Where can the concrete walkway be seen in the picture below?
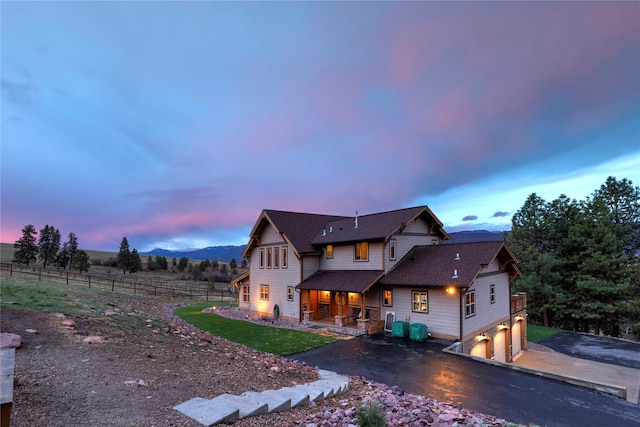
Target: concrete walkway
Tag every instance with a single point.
(618, 380)
(227, 408)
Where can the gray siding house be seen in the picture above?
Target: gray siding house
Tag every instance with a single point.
(367, 272)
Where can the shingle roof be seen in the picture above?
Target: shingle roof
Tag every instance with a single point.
(341, 280)
(299, 228)
(371, 227)
(436, 265)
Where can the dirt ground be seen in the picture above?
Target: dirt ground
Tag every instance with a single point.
(149, 362)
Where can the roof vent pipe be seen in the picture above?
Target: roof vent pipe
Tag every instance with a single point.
(355, 223)
(324, 231)
(455, 274)
(457, 258)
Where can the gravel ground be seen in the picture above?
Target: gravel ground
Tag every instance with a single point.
(150, 361)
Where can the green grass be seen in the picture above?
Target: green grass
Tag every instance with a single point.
(537, 333)
(30, 294)
(278, 341)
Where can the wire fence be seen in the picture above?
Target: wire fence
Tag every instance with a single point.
(170, 289)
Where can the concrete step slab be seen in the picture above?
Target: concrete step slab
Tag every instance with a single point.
(276, 402)
(207, 412)
(297, 397)
(316, 394)
(247, 406)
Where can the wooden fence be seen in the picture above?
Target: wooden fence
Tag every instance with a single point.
(129, 283)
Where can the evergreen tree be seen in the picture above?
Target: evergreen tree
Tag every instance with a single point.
(26, 249)
(233, 264)
(135, 263)
(48, 244)
(63, 259)
(161, 263)
(244, 263)
(215, 265)
(183, 263)
(124, 256)
(80, 261)
(72, 245)
(151, 264)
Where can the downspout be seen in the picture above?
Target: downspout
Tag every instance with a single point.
(461, 328)
(510, 334)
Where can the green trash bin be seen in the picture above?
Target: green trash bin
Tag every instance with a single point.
(400, 329)
(418, 332)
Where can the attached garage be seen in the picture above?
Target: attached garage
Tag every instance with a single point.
(516, 338)
(480, 349)
(499, 346)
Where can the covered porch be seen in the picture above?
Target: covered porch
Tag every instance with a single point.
(340, 298)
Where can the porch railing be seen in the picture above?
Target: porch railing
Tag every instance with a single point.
(518, 302)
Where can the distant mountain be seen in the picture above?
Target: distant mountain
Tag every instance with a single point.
(475, 236)
(227, 253)
(219, 253)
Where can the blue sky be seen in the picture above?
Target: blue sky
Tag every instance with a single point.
(176, 123)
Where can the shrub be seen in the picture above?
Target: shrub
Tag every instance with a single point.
(370, 415)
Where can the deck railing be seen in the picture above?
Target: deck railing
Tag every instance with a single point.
(518, 302)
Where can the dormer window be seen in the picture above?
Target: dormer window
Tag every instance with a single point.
(361, 251)
(392, 250)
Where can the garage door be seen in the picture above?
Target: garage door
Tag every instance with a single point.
(499, 346)
(480, 349)
(516, 332)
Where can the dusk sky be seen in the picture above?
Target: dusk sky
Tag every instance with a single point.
(175, 123)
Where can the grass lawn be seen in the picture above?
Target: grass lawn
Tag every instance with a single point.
(278, 341)
(536, 333)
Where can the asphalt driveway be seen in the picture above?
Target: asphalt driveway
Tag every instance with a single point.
(422, 368)
(599, 349)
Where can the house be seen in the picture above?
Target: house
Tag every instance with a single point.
(371, 271)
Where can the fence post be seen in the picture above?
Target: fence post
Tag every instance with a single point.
(39, 274)
(10, 270)
(67, 277)
(134, 287)
(113, 284)
(207, 295)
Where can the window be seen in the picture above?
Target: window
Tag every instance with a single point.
(269, 256)
(276, 257)
(264, 292)
(284, 257)
(289, 293)
(470, 304)
(392, 250)
(492, 294)
(362, 251)
(387, 297)
(329, 251)
(420, 301)
(245, 293)
(261, 258)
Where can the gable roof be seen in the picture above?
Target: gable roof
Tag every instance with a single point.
(297, 229)
(342, 280)
(436, 265)
(377, 226)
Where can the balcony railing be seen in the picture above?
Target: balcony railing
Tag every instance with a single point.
(518, 302)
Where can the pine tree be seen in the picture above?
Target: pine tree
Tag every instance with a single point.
(72, 245)
(48, 244)
(63, 259)
(124, 256)
(80, 261)
(135, 262)
(26, 249)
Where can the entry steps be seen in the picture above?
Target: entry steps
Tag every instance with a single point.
(227, 408)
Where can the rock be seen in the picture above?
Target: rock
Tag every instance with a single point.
(109, 313)
(8, 340)
(31, 331)
(143, 383)
(93, 339)
(69, 324)
(81, 332)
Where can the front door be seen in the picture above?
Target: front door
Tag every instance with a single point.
(313, 303)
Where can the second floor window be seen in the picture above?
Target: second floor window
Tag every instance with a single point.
(362, 251)
(261, 258)
(276, 257)
(492, 294)
(329, 251)
(392, 250)
(470, 304)
(269, 255)
(289, 293)
(285, 258)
